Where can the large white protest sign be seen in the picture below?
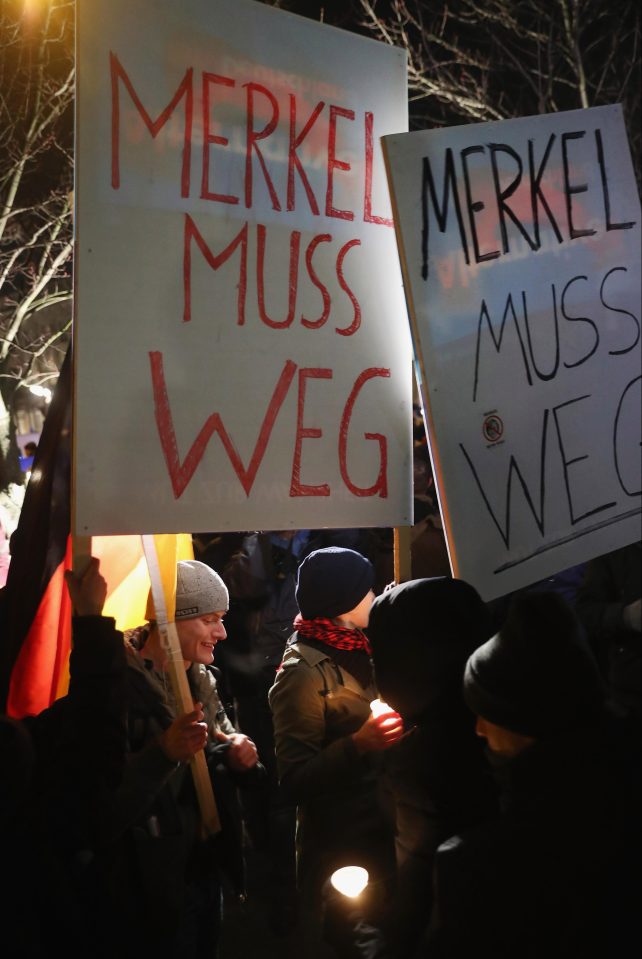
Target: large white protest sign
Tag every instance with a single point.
(243, 359)
(520, 243)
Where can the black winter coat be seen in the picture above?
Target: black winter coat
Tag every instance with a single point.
(441, 785)
(610, 583)
(61, 771)
(557, 876)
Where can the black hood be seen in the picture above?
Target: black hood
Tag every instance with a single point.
(422, 632)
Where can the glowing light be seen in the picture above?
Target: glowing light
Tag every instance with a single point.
(378, 707)
(41, 391)
(350, 880)
(32, 11)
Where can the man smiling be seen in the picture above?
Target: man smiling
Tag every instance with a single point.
(174, 905)
(202, 601)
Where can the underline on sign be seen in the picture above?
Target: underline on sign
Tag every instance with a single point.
(568, 539)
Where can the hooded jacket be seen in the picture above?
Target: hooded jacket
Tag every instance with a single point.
(422, 633)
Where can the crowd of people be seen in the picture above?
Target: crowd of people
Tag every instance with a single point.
(480, 761)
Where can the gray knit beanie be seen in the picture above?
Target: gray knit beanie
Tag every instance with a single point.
(199, 590)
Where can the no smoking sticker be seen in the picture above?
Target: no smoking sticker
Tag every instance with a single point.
(493, 428)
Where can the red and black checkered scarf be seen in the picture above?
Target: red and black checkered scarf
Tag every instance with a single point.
(325, 631)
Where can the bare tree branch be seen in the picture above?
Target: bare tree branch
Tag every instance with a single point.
(478, 60)
(36, 169)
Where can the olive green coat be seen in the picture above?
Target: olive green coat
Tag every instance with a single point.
(342, 814)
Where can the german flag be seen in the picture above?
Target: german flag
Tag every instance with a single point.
(36, 611)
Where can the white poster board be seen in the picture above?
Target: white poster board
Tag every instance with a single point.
(520, 244)
(243, 359)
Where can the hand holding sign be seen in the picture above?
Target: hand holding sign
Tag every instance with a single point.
(186, 736)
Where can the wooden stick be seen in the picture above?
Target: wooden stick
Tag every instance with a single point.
(402, 555)
(80, 553)
(184, 699)
(180, 686)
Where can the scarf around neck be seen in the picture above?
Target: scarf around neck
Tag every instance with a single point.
(327, 632)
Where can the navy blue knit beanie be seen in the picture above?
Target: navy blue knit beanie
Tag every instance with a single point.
(537, 676)
(332, 581)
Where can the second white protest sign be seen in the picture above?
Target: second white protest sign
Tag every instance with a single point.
(520, 244)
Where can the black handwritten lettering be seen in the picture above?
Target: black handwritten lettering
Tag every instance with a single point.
(484, 178)
(614, 309)
(474, 206)
(537, 195)
(569, 188)
(559, 306)
(497, 340)
(514, 470)
(450, 186)
(556, 362)
(634, 399)
(578, 319)
(628, 224)
(502, 196)
(577, 459)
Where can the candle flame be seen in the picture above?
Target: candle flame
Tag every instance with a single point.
(350, 880)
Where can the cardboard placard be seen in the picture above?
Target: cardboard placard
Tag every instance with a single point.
(243, 357)
(520, 246)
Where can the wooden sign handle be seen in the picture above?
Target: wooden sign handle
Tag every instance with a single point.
(182, 694)
(402, 554)
(80, 553)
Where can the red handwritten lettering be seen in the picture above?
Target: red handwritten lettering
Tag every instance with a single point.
(296, 487)
(181, 473)
(154, 126)
(367, 196)
(252, 136)
(191, 232)
(312, 245)
(356, 323)
(380, 485)
(206, 194)
(334, 164)
(293, 160)
(295, 244)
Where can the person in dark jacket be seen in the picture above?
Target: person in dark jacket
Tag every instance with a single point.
(61, 772)
(328, 742)
(557, 875)
(165, 875)
(422, 633)
(610, 609)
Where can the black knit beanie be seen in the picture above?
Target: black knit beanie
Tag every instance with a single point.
(537, 676)
(332, 581)
(421, 633)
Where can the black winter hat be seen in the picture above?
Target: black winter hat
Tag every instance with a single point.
(332, 581)
(537, 676)
(421, 633)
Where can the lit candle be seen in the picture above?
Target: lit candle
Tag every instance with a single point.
(378, 707)
(350, 880)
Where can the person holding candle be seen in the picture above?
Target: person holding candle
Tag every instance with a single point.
(422, 633)
(329, 743)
